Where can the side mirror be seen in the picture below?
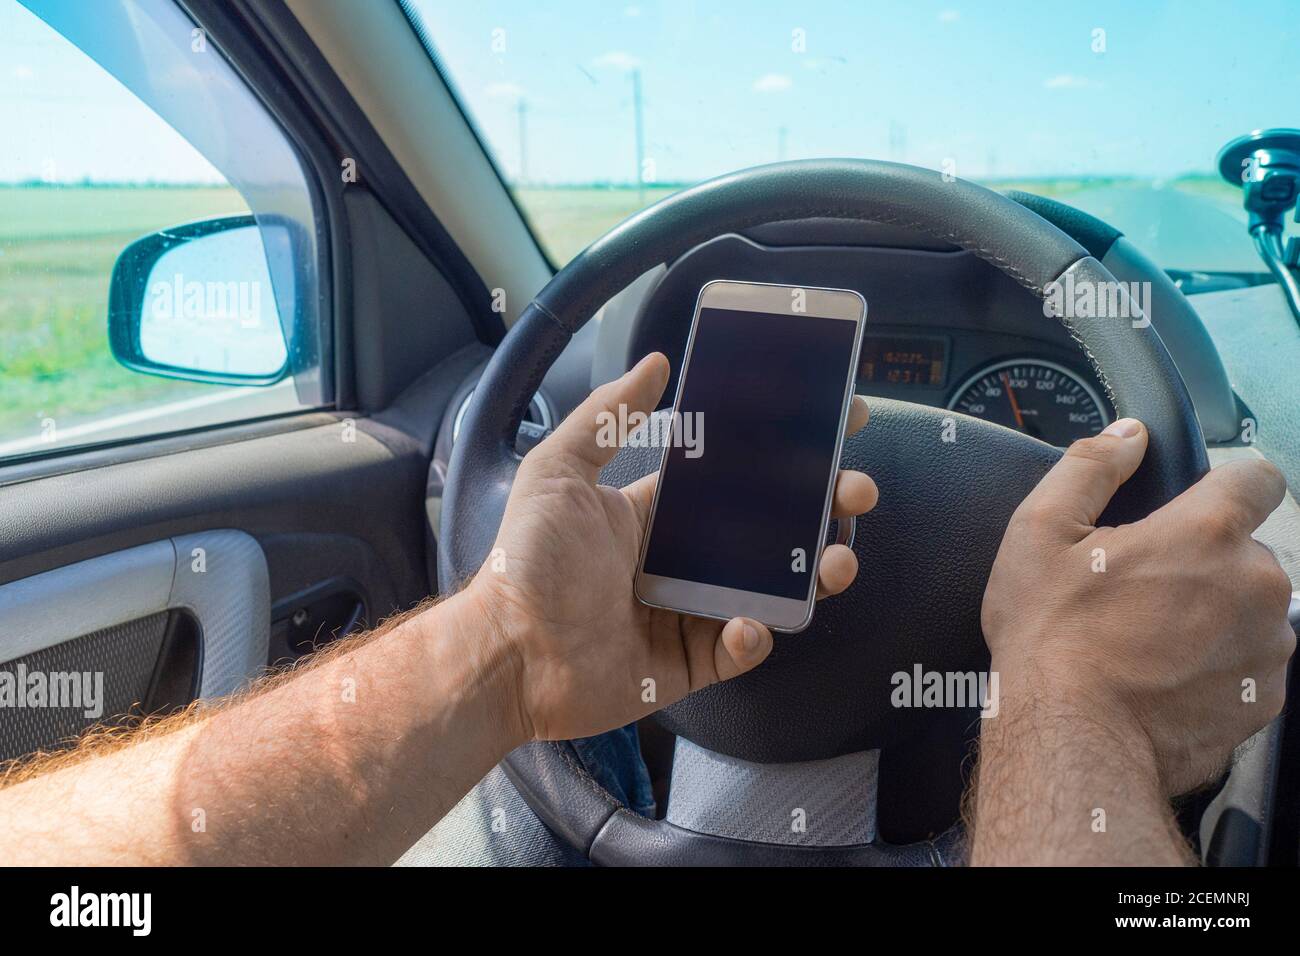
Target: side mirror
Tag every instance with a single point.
(196, 302)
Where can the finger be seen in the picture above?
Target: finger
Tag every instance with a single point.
(716, 652)
(838, 568)
(642, 495)
(590, 435)
(1075, 492)
(1240, 494)
(855, 494)
(741, 646)
(859, 415)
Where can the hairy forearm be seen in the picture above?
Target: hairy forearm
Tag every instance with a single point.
(348, 761)
(1064, 779)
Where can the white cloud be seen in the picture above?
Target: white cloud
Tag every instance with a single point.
(632, 12)
(618, 59)
(772, 83)
(23, 72)
(1069, 81)
(505, 91)
(950, 16)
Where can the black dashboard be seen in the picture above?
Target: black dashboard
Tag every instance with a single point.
(943, 327)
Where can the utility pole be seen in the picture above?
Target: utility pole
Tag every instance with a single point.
(897, 141)
(640, 137)
(523, 141)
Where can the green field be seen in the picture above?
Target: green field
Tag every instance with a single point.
(567, 218)
(57, 249)
(58, 245)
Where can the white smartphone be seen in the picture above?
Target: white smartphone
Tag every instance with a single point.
(741, 509)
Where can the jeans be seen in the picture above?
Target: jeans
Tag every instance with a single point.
(614, 759)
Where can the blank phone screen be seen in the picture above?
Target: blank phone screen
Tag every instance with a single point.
(740, 508)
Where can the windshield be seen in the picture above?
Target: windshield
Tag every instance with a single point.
(1115, 107)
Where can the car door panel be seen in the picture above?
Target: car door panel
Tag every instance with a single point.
(222, 533)
(96, 677)
(118, 642)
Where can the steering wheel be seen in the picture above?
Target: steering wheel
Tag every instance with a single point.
(926, 549)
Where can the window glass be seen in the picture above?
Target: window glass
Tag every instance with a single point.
(1118, 108)
(88, 169)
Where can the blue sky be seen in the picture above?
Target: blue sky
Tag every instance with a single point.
(1001, 88)
(66, 119)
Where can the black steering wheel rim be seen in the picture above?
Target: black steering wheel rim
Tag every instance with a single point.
(1135, 370)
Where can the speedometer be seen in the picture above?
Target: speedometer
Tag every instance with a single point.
(1034, 396)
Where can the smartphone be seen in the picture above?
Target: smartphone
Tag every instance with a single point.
(741, 509)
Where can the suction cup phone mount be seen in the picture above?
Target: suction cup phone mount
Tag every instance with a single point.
(1266, 165)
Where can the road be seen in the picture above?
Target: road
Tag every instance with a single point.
(1177, 228)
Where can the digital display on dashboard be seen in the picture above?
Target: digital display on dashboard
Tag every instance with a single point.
(903, 360)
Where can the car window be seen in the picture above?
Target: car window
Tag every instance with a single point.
(92, 180)
(1130, 102)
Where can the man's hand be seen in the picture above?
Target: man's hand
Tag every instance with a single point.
(563, 600)
(1160, 623)
(353, 757)
(1127, 657)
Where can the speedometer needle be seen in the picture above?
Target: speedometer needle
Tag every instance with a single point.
(1015, 405)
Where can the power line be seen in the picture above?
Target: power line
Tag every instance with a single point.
(523, 140)
(640, 136)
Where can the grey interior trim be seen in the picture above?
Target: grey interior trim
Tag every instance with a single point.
(338, 479)
(118, 453)
(57, 606)
(380, 60)
(220, 576)
(491, 826)
(231, 598)
(408, 315)
(1248, 793)
(812, 803)
(1252, 783)
(1186, 338)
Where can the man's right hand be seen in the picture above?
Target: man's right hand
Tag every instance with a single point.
(1156, 628)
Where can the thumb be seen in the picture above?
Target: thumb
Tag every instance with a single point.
(741, 646)
(590, 436)
(1072, 496)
